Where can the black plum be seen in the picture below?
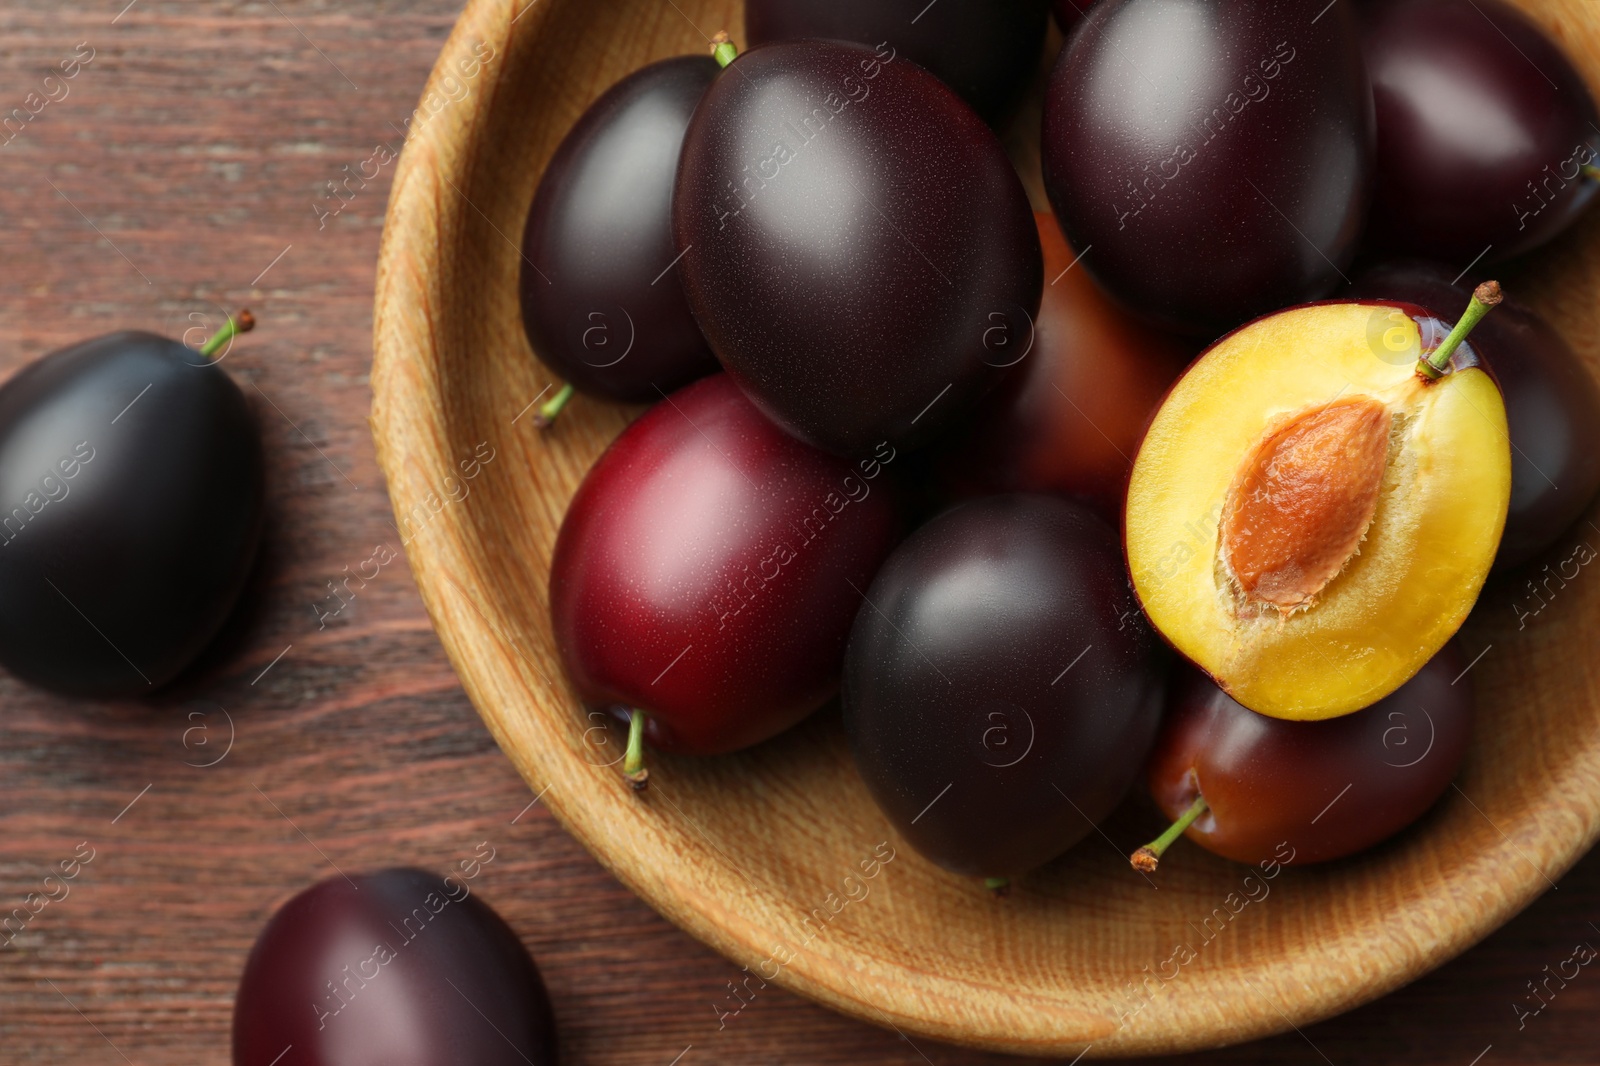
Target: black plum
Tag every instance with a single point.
(396, 968)
(857, 247)
(1484, 129)
(985, 50)
(1210, 158)
(1001, 689)
(599, 304)
(1552, 404)
(131, 496)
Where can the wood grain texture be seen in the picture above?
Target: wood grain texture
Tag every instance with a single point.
(197, 142)
(750, 853)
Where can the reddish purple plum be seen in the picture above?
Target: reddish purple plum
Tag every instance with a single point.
(396, 968)
(1311, 790)
(708, 570)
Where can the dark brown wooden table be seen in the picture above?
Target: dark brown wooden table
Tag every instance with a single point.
(183, 172)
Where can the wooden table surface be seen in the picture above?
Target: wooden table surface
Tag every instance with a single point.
(181, 173)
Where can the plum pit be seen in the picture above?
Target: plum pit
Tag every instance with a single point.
(1302, 501)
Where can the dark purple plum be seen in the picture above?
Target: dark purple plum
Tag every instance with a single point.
(1484, 129)
(132, 482)
(1001, 688)
(599, 304)
(1552, 404)
(986, 50)
(857, 247)
(1210, 158)
(397, 968)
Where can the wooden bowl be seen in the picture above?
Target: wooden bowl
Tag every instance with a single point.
(760, 854)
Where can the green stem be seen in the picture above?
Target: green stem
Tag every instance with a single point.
(1000, 886)
(633, 763)
(1591, 171)
(243, 322)
(552, 408)
(1148, 857)
(1484, 299)
(723, 49)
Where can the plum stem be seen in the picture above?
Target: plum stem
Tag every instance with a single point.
(723, 49)
(1148, 857)
(551, 409)
(633, 763)
(243, 322)
(1591, 172)
(1485, 298)
(1000, 886)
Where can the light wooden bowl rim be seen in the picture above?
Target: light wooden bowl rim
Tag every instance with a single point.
(422, 323)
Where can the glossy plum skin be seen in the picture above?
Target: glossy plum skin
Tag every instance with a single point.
(1483, 126)
(1211, 157)
(858, 249)
(1552, 404)
(1269, 781)
(709, 568)
(599, 237)
(132, 482)
(360, 972)
(1067, 418)
(1001, 689)
(985, 50)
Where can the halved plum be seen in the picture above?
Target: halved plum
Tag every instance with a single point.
(1318, 501)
